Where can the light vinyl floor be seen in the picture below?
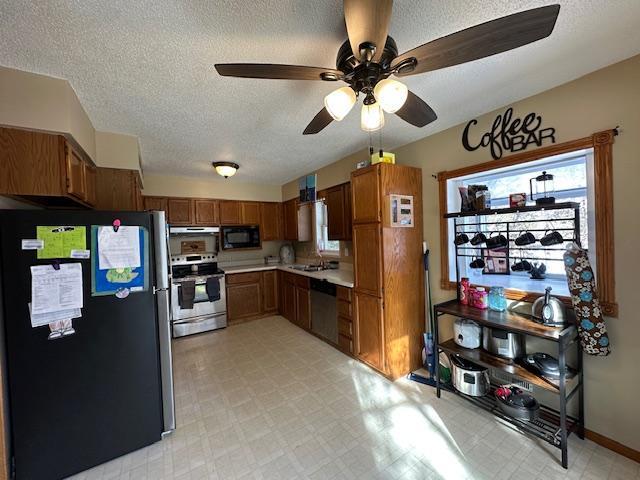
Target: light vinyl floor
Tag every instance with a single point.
(266, 400)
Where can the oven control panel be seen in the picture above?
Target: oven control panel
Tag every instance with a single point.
(192, 259)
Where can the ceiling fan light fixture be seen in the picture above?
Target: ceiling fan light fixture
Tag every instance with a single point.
(371, 117)
(340, 102)
(226, 169)
(391, 94)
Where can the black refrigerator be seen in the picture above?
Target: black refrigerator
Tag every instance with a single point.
(81, 399)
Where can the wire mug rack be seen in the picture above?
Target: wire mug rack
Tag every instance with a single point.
(497, 221)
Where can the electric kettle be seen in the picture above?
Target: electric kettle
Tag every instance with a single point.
(549, 310)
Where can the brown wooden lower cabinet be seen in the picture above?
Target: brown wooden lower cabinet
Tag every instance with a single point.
(244, 301)
(303, 307)
(296, 299)
(369, 344)
(270, 291)
(289, 298)
(251, 295)
(345, 344)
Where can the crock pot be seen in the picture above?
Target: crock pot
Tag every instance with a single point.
(469, 378)
(503, 343)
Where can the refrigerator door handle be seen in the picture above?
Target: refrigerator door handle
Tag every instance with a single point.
(166, 361)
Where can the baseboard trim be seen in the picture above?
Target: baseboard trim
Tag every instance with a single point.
(612, 445)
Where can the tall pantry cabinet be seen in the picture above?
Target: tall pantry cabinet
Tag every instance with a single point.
(388, 268)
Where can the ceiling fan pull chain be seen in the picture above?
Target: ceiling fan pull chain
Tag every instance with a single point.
(380, 141)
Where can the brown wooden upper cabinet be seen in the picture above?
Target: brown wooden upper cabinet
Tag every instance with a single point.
(338, 201)
(234, 212)
(366, 199)
(91, 183)
(76, 173)
(290, 214)
(206, 212)
(250, 213)
(45, 168)
(270, 221)
(230, 212)
(155, 203)
(118, 189)
(180, 211)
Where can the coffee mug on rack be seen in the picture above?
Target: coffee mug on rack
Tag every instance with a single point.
(478, 238)
(526, 238)
(461, 239)
(499, 241)
(521, 266)
(553, 238)
(477, 263)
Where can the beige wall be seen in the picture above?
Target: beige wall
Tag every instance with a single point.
(599, 101)
(116, 150)
(328, 176)
(174, 186)
(39, 102)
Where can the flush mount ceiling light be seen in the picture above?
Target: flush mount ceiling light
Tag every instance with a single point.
(226, 169)
(369, 56)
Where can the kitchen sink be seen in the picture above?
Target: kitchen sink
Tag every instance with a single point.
(307, 268)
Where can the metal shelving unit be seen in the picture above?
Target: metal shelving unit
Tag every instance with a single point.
(552, 426)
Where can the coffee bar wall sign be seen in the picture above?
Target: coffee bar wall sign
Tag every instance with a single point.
(508, 134)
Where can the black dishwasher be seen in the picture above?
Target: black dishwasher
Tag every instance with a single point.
(324, 310)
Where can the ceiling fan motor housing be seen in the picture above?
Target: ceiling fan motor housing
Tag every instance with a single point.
(363, 76)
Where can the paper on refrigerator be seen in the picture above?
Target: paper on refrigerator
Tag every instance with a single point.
(40, 319)
(55, 290)
(119, 249)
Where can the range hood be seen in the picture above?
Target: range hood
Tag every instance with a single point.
(193, 230)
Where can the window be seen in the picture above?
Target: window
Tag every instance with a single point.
(571, 172)
(325, 246)
(510, 172)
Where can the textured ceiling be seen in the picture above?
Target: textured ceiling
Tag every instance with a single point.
(146, 68)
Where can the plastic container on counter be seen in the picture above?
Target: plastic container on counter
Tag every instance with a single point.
(497, 299)
(481, 298)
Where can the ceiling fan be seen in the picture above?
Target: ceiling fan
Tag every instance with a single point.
(369, 57)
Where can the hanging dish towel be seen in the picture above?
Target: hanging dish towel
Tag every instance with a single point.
(213, 289)
(186, 295)
(582, 286)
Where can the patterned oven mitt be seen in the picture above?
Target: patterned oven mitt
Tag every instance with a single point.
(593, 331)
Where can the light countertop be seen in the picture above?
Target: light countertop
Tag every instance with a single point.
(338, 277)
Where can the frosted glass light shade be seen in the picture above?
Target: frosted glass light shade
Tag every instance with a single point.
(390, 94)
(340, 102)
(371, 118)
(226, 169)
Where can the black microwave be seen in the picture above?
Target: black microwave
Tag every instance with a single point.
(233, 238)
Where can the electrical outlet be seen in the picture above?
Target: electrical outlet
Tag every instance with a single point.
(346, 251)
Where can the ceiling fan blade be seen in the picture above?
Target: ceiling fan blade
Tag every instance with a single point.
(416, 111)
(321, 120)
(367, 21)
(484, 40)
(284, 72)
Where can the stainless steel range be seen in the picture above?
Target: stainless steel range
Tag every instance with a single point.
(198, 297)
